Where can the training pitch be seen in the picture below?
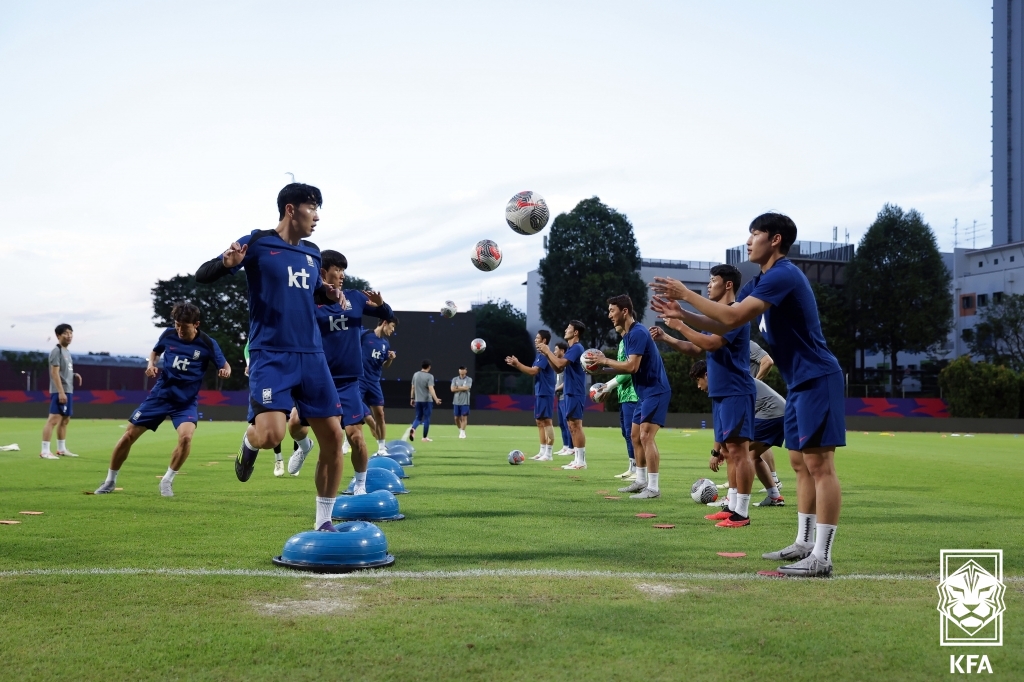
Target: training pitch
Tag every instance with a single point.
(503, 572)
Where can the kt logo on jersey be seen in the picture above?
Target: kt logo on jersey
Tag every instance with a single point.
(971, 593)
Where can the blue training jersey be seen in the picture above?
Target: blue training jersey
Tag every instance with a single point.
(375, 354)
(184, 365)
(791, 324)
(729, 366)
(544, 381)
(650, 378)
(282, 278)
(341, 328)
(573, 375)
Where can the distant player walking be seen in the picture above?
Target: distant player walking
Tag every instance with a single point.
(461, 386)
(187, 352)
(422, 397)
(543, 394)
(62, 389)
(575, 388)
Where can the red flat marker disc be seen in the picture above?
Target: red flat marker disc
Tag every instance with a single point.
(732, 555)
(612, 497)
(4, 522)
(31, 513)
(664, 525)
(771, 574)
(118, 488)
(646, 516)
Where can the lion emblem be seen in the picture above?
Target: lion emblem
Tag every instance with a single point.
(971, 597)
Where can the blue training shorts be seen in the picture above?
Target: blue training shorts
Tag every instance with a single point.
(733, 417)
(573, 406)
(154, 410)
(65, 410)
(543, 406)
(652, 409)
(770, 431)
(461, 410)
(279, 380)
(816, 413)
(351, 398)
(372, 393)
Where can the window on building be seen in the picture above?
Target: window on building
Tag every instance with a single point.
(995, 261)
(966, 302)
(980, 264)
(982, 300)
(1011, 258)
(997, 298)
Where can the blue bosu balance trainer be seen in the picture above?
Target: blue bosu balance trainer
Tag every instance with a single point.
(381, 505)
(356, 546)
(400, 446)
(401, 456)
(379, 479)
(382, 462)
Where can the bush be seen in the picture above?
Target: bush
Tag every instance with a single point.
(979, 389)
(686, 397)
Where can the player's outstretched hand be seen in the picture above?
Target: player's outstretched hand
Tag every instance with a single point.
(392, 355)
(669, 288)
(666, 308)
(234, 255)
(374, 297)
(657, 333)
(511, 361)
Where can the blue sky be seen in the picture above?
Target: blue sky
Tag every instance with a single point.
(139, 139)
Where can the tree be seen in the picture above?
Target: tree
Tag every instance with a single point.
(999, 336)
(503, 327)
(591, 256)
(224, 306)
(899, 286)
(980, 389)
(353, 282)
(836, 323)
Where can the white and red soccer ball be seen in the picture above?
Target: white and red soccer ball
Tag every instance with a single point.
(704, 491)
(595, 392)
(448, 309)
(486, 255)
(478, 346)
(516, 457)
(527, 213)
(592, 360)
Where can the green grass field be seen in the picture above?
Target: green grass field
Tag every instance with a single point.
(502, 573)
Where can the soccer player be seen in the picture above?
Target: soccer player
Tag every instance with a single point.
(815, 420)
(563, 426)
(730, 386)
(543, 394)
(760, 364)
(62, 389)
(461, 386)
(377, 356)
(422, 397)
(341, 327)
(287, 366)
(187, 353)
(575, 388)
(643, 362)
(623, 383)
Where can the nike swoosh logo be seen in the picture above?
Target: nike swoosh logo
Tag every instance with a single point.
(803, 439)
(274, 253)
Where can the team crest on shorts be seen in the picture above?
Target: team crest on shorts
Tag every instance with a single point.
(267, 396)
(971, 594)
(137, 415)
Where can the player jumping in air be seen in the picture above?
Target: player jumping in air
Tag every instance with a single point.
(287, 365)
(815, 420)
(543, 394)
(575, 388)
(187, 352)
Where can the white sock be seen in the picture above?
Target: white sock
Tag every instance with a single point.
(46, 447)
(324, 509)
(732, 499)
(805, 528)
(360, 478)
(381, 445)
(775, 477)
(278, 457)
(246, 443)
(169, 476)
(823, 541)
(641, 476)
(60, 446)
(632, 465)
(742, 505)
(581, 455)
(111, 476)
(306, 444)
(773, 492)
(652, 482)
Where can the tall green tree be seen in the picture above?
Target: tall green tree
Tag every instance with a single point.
(225, 317)
(999, 336)
(899, 286)
(591, 256)
(836, 323)
(503, 327)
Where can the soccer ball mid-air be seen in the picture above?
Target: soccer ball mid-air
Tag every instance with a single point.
(527, 213)
(448, 309)
(516, 457)
(486, 255)
(478, 346)
(595, 389)
(704, 491)
(592, 360)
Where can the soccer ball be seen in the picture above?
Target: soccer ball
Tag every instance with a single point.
(478, 346)
(704, 491)
(527, 213)
(594, 390)
(448, 309)
(592, 359)
(516, 457)
(486, 255)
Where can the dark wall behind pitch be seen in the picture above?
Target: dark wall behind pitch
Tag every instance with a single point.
(420, 336)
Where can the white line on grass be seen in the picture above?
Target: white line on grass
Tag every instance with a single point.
(466, 573)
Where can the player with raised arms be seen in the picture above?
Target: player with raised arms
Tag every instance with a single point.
(377, 356)
(575, 392)
(730, 387)
(543, 394)
(643, 362)
(341, 330)
(187, 352)
(815, 420)
(287, 365)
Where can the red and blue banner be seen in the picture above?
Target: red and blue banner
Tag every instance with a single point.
(934, 408)
(207, 398)
(520, 403)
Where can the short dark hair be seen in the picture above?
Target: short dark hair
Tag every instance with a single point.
(623, 302)
(332, 259)
(297, 193)
(698, 369)
(563, 345)
(728, 273)
(580, 328)
(545, 335)
(185, 312)
(393, 318)
(425, 364)
(463, 367)
(776, 224)
(61, 328)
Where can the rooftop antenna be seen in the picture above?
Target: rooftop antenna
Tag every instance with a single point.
(835, 234)
(956, 222)
(291, 174)
(847, 235)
